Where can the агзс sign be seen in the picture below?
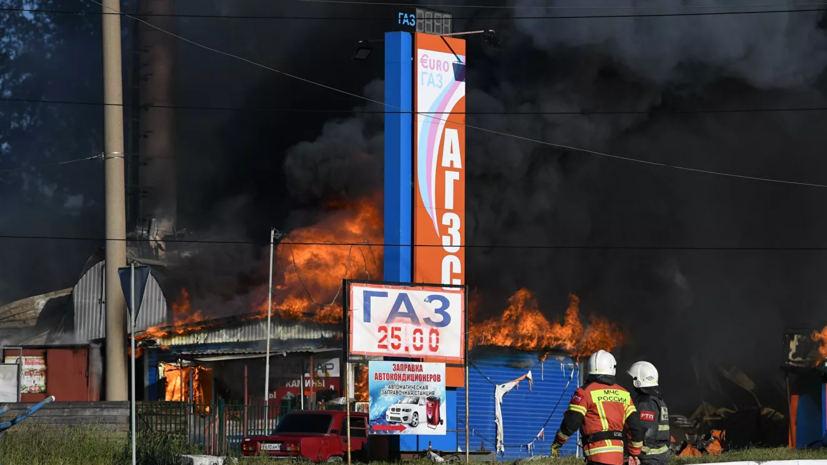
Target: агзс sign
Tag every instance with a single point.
(439, 160)
(407, 321)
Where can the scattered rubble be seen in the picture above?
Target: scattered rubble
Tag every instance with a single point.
(739, 420)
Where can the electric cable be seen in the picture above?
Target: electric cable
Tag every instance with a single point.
(554, 7)
(478, 128)
(468, 246)
(75, 160)
(393, 18)
(64, 162)
(390, 112)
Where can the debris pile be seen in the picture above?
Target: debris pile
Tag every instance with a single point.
(712, 443)
(730, 416)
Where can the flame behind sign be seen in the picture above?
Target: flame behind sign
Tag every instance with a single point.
(523, 326)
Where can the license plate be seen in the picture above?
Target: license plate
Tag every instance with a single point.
(271, 447)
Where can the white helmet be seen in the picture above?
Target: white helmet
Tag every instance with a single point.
(602, 363)
(644, 374)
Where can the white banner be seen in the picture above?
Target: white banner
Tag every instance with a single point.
(402, 321)
(407, 398)
(34, 373)
(9, 386)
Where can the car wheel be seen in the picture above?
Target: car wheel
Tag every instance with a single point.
(335, 459)
(415, 420)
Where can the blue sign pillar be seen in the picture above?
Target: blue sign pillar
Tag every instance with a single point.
(398, 156)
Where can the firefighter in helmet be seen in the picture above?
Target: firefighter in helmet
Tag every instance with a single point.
(654, 415)
(600, 409)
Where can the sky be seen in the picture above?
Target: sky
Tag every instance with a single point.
(242, 172)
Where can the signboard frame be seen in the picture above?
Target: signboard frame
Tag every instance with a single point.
(18, 376)
(346, 343)
(433, 419)
(21, 360)
(439, 159)
(463, 289)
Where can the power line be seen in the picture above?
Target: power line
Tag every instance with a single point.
(394, 18)
(64, 162)
(76, 160)
(469, 246)
(382, 112)
(478, 128)
(553, 7)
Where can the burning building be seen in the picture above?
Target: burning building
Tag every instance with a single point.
(805, 367)
(523, 370)
(229, 336)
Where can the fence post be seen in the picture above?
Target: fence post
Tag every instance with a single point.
(222, 433)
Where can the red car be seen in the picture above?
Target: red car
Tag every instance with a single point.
(318, 436)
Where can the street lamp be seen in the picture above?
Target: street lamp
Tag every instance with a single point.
(363, 51)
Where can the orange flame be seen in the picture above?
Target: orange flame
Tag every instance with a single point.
(184, 320)
(523, 326)
(308, 274)
(309, 279)
(821, 338)
(360, 384)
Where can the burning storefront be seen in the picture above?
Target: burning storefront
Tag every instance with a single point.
(233, 352)
(805, 365)
(523, 369)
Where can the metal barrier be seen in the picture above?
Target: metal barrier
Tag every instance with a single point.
(213, 428)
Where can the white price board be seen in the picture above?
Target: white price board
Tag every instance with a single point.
(407, 321)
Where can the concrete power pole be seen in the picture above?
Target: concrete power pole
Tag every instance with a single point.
(115, 374)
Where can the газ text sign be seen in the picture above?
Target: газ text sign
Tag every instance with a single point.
(401, 321)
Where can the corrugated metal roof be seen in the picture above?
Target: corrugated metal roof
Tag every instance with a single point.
(90, 308)
(255, 330)
(242, 354)
(524, 411)
(25, 312)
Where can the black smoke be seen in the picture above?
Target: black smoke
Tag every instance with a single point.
(623, 226)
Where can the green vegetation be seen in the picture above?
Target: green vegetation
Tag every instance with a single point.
(755, 455)
(48, 445)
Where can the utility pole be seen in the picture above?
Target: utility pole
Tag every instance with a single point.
(116, 377)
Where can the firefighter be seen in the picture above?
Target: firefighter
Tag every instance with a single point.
(654, 415)
(600, 409)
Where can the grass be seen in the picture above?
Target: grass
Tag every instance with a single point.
(755, 455)
(48, 445)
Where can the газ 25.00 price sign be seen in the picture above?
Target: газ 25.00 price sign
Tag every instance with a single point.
(401, 321)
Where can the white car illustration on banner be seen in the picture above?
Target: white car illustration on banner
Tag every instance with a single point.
(410, 410)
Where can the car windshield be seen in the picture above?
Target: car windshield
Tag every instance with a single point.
(304, 423)
(410, 400)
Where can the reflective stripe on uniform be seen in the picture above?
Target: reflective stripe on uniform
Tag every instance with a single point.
(659, 450)
(630, 409)
(663, 427)
(603, 450)
(602, 413)
(578, 408)
(637, 445)
(561, 435)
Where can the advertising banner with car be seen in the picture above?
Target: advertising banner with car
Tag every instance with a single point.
(407, 321)
(407, 398)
